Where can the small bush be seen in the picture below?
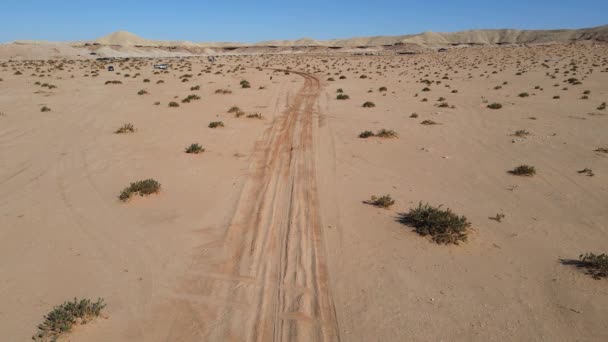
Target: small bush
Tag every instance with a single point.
(413, 115)
(386, 133)
(342, 97)
(596, 265)
(254, 116)
(143, 188)
(428, 122)
(142, 92)
(602, 149)
(366, 134)
(173, 104)
(340, 91)
(495, 105)
(190, 98)
(523, 95)
(369, 104)
(381, 89)
(63, 317)
(126, 128)
(195, 88)
(383, 201)
(45, 109)
(521, 133)
(113, 82)
(223, 91)
(215, 124)
(443, 226)
(195, 149)
(523, 170)
(602, 106)
(245, 84)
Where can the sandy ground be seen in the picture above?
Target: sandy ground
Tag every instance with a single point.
(265, 235)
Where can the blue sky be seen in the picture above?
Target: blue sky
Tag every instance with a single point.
(250, 21)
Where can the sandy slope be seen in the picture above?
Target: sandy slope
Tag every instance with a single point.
(266, 236)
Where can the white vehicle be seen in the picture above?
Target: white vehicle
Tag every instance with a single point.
(211, 59)
(161, 66)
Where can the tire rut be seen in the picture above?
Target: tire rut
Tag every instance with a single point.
(271, 283)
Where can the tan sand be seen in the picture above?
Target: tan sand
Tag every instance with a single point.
(265, 235)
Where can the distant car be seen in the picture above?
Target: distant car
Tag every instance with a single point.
(161, 66)
(110, 68)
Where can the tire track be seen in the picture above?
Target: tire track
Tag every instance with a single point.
(272, 281)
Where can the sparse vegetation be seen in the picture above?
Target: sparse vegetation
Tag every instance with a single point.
(523, 170)
(596, 264)
(45, 109)
(173, 104)
(195, 149)
(443, 226)
(245, 84)
(342, 97)
(142, 188)
(385, 201)
(216, 124)
(369, 104)
(495, 105)
(63, 317)
(126, 128)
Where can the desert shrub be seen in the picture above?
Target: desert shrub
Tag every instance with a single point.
(160, 82)
(587, 92)
(190, 98)
(342, 77)
(385, 201)
(366, 134)
(63, 317)
(113, 82)
(126, 128)
(342, 97)
(223, 91)
(602, 149)
(216, 124)
(143, 188)
(381, 89)
(173, 104)
(521, 133)
(386, 133)
(596, 265)
(195, 149)
(369, 104)
(443, 226)
(339, 91)
(426, 89)
(556, 97)
(495, 105)
(142, 92)
(254, 116)
(428, 122)
(413, 115)
(363, 76)
(331, 79)
(146, 80)
(523, 95)
(245, 84)
(234, 109)
(157, 103)
(45, 109)
(198, 87)
(497, 87)
(602, 106)
(523, 170)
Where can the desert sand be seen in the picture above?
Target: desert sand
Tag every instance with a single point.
(265, 235)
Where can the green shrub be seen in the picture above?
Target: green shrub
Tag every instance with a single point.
(143, 188)
(383, 201)
(340, 91)
(195, 148)
(523, 170)
(443, 226)
(596, 265)
(245, 84)
(173, 104)
(126, 128)
(215, 124)
(369, 104)
(63, 317)
(195, 88)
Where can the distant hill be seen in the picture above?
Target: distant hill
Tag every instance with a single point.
(426, 39)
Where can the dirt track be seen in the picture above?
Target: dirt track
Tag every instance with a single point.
(273, 281)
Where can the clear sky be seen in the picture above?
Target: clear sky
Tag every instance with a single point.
(251, 21)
